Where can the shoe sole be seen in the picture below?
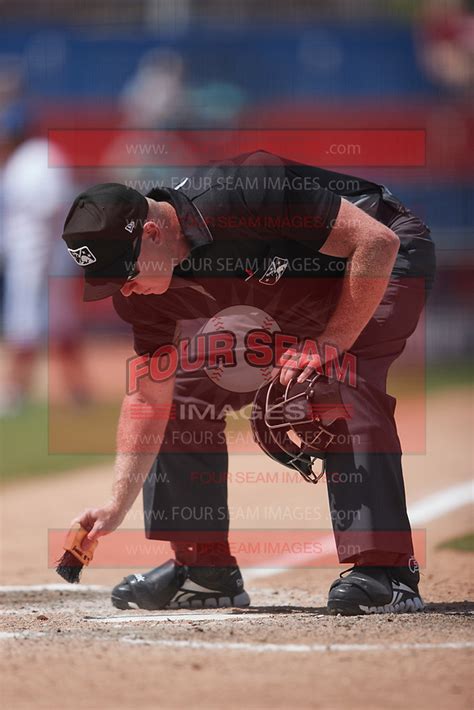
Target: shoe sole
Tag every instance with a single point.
(240, 600)
(346, 608)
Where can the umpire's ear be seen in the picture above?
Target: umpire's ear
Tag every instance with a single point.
(152, 231)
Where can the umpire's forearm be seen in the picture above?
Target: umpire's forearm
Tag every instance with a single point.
(130, 473)
(139, 438)
(362, 290)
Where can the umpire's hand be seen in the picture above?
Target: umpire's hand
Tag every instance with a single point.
(297, 365)
(99, 521)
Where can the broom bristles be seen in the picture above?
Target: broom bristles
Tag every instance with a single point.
(69, 568)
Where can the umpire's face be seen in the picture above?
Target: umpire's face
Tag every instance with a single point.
(156, 260)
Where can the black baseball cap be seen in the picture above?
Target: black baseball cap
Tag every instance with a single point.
(103, 234)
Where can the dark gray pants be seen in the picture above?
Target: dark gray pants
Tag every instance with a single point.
(368, 509)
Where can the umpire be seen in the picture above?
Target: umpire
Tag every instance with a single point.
(328, 257)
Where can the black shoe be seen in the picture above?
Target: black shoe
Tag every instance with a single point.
(176, 586)
(376, 590)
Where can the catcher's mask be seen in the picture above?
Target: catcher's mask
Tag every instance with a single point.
(294, 424)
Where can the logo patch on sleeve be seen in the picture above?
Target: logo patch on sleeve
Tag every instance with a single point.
(82, 256)
(275, 271)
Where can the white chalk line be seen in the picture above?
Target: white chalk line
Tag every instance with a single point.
(438, 504)
(301, 647)
(268, 647)
(7, 635)
(183, 616)
(79, 588)
(424, 511)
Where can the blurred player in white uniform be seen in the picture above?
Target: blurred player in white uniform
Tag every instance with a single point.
(34, 196)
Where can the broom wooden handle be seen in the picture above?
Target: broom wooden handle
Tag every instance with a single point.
(73, 544)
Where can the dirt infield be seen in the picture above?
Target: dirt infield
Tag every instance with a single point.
(69, 648)
(283, 652)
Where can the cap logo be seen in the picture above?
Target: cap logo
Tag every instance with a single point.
(130, 226)
(82, 256)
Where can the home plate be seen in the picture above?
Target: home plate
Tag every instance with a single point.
(183, 616)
